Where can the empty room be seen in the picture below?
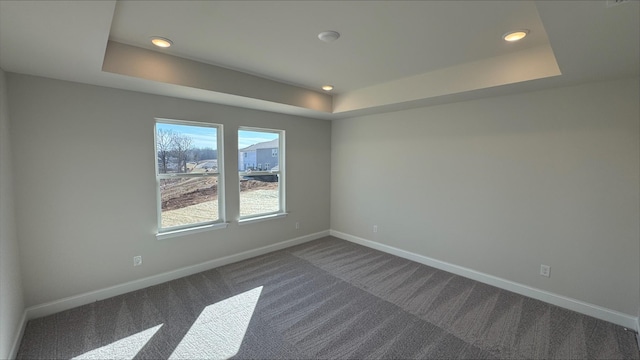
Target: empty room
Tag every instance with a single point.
(319, 179)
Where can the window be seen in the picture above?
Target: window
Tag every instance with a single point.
(189, 174)
(261, 188)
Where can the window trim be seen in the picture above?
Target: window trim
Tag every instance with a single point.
(192, 230)
(163, 233)
(260, 218)
(281, 174)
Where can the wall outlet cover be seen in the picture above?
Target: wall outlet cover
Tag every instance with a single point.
(137, 260)
(545, 270)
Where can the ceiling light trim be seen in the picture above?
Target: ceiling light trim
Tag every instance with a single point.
(161, 42)
(515, 35)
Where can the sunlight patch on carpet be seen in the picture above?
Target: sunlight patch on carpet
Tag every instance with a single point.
(219, 330)
(126, 348)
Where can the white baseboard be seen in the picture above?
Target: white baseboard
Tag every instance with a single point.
(595, 311)
(53, 307)
(18, 336)
(638, 330)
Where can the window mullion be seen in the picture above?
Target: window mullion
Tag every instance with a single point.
(187, 175)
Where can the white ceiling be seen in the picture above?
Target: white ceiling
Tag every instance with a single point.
(381, 41)
(391, 53)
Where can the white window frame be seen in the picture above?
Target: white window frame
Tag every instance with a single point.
(172, 231)
(280, 174)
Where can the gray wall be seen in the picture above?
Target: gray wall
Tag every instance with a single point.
(502, 185)
(11, 301)
(86, 198)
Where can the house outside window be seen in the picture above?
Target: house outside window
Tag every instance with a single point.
(261, 187)
(189, 174)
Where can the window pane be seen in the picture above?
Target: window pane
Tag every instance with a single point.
(255, 148)
(188, 171)
(259, 171)
(189, 200)
(185, 148)
(258, 196)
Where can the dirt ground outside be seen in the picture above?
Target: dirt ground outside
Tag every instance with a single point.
(195, 200)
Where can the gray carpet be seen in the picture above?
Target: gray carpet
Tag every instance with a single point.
(324, 299)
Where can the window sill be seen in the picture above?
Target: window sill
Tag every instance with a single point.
(256, 219)
(189, 231)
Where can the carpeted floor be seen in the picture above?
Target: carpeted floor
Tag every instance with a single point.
(324, 299)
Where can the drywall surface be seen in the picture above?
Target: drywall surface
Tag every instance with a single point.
(11, 300)
(134, 61)
(503, 185)
(86, 199)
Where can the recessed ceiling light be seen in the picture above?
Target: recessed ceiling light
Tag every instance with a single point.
(515, 35)
(329, 36)
(327, 87)
(161, 42)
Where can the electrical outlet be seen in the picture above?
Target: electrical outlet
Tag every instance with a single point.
(137, 260)
(375, 228)
(545, 270)
(297, 225)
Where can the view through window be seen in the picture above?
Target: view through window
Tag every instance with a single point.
(189, 173)
(261, 172)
